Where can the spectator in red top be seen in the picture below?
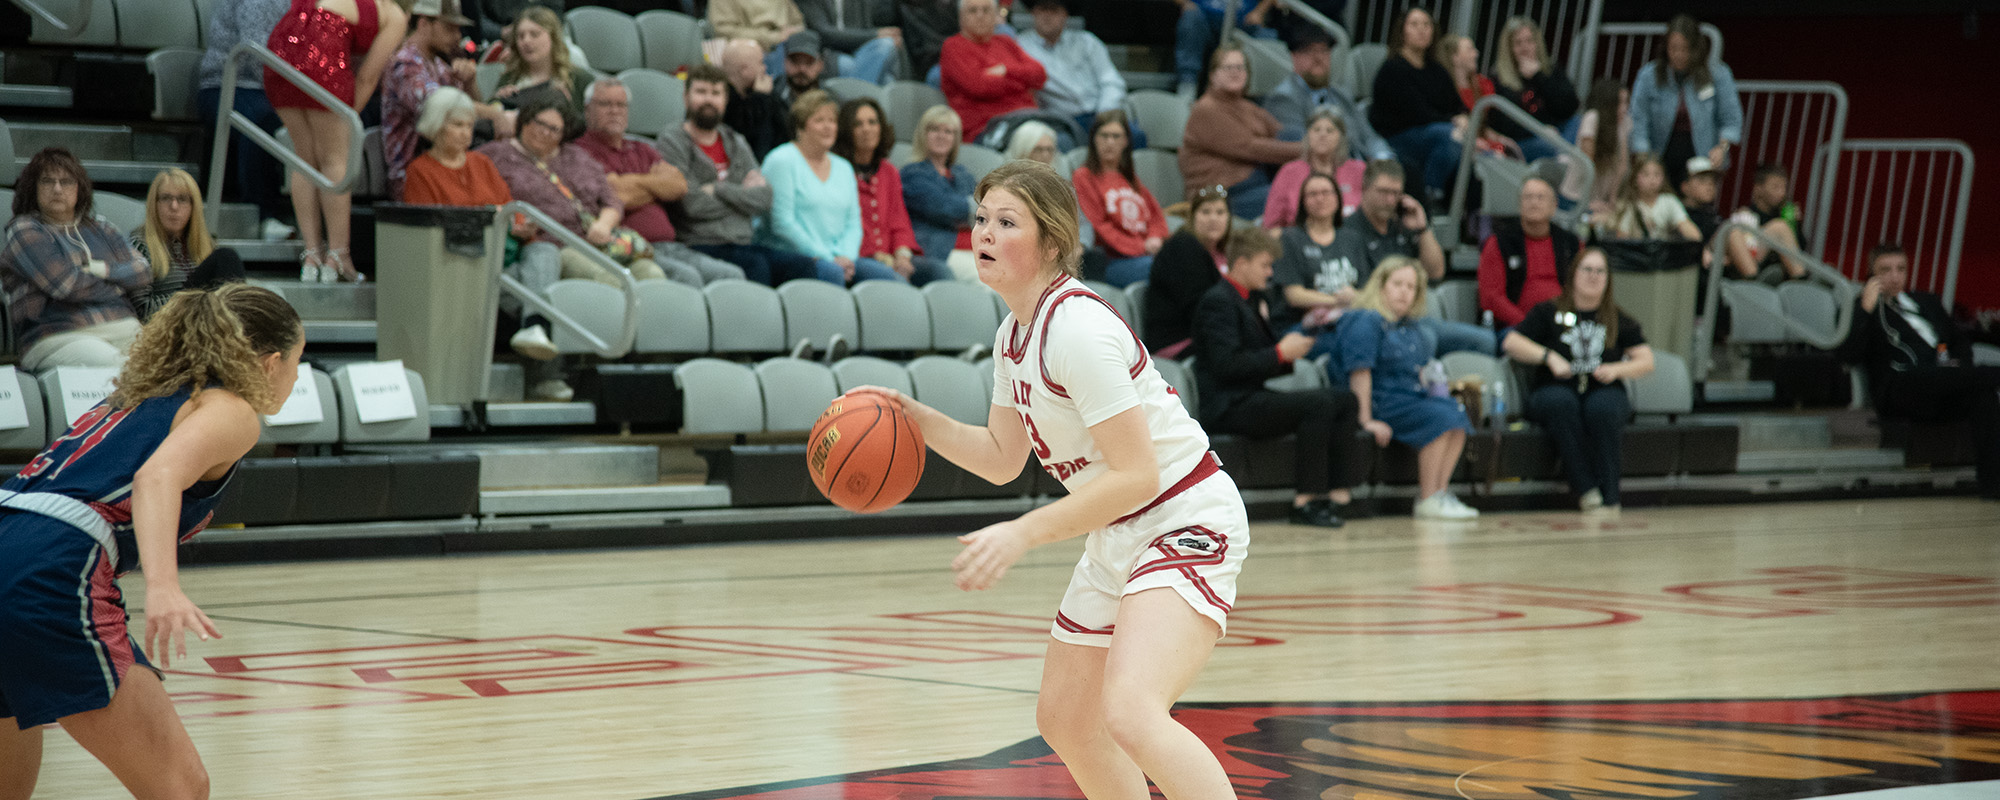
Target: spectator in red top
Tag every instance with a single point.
(643, 181)
(864, 139)
(1521, 265)
(1129, 224)
(984, 74)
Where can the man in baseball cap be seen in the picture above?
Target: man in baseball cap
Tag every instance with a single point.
(803, 65)
(430, 57)
(1698, 193)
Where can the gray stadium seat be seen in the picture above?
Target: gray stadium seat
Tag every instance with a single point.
(36, 435)
(796, 391)
(1363, 61)
(1117, 298)
(1177, 375)
(1136, 294)
(673, 318)
(1668, 390)
(1162, 115)
(610, 38)
(374, 166)
(985, 367)
(8, 169)
(719, 397)
(1755, 313)
(952, 386)
(488, 78)
(1809, 304)
(901, 154)
(656, 100)
(203, 12)
(353, 430)
(854, 371)
(594, 305)
(893, 316)
(668, 40)
(79, 385)
(816, 311)
(1490, 370)
(150, 24)
(904, 103)
(1270, 63)
(962, 314)
(175, 73)
(979, 160)
(124, 213)
(1160, 171)
(100, 31)
(325, 431)
(1985, 355)
(845, 89)
(1455, 301)
(744, 317)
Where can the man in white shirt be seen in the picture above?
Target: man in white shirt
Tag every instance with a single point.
(1082, 81)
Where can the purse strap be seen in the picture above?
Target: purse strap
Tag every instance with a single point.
(582, 213)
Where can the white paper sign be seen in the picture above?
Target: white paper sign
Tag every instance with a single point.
(302, 408)
(381, 391)
(13, 407)
(82, 388)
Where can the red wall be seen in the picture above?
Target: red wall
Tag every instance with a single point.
(1906, 77)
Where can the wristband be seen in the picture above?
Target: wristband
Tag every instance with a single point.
(1545, 356)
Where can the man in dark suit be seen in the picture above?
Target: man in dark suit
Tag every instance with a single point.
(1236, 352)
(1920, 364)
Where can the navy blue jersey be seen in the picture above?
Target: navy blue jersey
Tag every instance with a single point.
(95, 461)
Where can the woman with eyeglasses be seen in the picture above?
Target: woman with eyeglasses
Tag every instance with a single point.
(1326, 154)
(1231, 141)
(68, 273)
(1188, 263)
(1583, 348)
(176, 243)
(1128, 221)
(937, 190)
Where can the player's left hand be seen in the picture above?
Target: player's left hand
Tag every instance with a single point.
(988, 553)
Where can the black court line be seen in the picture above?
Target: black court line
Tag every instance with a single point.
(947, 683)
(1613, 537)
(346, 628)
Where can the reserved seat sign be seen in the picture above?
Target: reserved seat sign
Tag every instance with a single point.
(381, 391)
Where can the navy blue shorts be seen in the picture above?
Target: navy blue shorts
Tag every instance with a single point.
(64, 642)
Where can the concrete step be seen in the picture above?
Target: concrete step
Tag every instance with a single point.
(1762, 432)
(326, 301)
(258, 251)
(1739, 391)
(1818, 460)
(98, 142)
(549, 465)
(235, 222)
(658, 497)
(17, 95)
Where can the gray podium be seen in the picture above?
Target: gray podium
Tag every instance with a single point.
(437, 295)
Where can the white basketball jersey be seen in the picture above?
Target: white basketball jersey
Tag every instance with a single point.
(1076, 364)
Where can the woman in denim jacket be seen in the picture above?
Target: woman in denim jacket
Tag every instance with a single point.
(1686, 81)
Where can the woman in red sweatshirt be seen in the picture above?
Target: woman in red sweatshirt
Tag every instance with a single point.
(985, 75)
(1126, 218)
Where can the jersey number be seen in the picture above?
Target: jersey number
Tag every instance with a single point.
(1042, 450)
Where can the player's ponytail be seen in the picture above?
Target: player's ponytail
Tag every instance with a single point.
(209, 338)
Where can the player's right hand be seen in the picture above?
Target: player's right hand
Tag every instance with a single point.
(988, 553)
(170, 616)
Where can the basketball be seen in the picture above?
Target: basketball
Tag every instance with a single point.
(864, 453)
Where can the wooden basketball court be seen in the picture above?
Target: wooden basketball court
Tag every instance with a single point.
(1747, 651)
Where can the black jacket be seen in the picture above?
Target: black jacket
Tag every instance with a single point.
(1549, 96)
(1235, 350)
(1513, 244)
(1406, 97)
(761, 117)
(1884, 342)
(1182, 270)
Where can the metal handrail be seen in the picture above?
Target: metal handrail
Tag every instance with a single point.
(1818, 186)
(1826, 157)
(1582, 67)
(1844, 292)
(1477, 118)
(52, 18)
(227, 118)
(528, 297)
(1341, 39)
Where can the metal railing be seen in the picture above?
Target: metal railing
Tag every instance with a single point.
(528, 297)
(1914, 192)
(1568, 26)
(1477, 119)
(1790, 123)
(227, 119)
(55, 19)
(1341, 39)
(1619, 49)
(1844, 293)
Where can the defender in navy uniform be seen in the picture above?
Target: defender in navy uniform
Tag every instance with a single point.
(132, 478)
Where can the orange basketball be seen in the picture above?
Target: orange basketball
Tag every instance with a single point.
(864, 453)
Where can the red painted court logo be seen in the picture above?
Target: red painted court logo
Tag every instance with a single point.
(1687, 750)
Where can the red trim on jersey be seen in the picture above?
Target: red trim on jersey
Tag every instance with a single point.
(107, 616)
(1209, 465)
(1043, 359)
(1077, 627)
(1016, 350)
(1207, 592)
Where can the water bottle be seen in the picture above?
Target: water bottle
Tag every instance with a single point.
(1497, 408)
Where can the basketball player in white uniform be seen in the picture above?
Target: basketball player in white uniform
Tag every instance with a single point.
(1167, 530)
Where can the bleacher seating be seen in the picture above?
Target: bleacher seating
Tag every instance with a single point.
(795, 392)
(844, 88)
(175, 77)
(1162, 115)
(952, 386)
(100, 31)
(673, 318)
(962, 315)
(1668, 390)
(904, 103)
(1363, 61)
(893, 316)
(325, 431)
(611, 38)
(734, 309)
(596, 306)
(817, 311)
(656, 101)
(669, 40)
(1160, 171)
(35, 434)
(719, 396)
(979, 160)
(352, 429)
(856, 371)
(150, 24)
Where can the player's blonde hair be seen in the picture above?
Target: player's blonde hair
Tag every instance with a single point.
(1371, 295)
(1052, 202)
(212, 338)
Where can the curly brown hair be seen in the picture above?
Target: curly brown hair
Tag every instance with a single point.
(51, 160)
(210, 338)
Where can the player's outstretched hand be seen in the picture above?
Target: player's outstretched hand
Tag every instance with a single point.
(170, 616)
(988, 553)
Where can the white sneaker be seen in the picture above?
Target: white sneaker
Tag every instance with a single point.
(552, 390)
(1443, 506)
(275, 231)
(533, 342)
(1590, 501)
(1459, 507)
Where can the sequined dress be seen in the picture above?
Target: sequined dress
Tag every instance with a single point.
(324, 46)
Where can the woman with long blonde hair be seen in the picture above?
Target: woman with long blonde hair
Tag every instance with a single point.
(176, 243)
(1166, 528)
(134, 476)
(538, 61)
(1522, 74)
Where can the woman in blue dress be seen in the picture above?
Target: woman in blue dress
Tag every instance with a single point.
(133, 477)
(1383, 352)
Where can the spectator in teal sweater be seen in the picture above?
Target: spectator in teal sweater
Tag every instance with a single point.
(815, 204)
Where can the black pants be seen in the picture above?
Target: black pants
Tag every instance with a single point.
(1946, 394)
(1589, 433)
(1324, 422)
(762, 264)
(222, 265)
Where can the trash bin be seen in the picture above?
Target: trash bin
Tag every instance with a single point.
(1655, 283)
(436, 295)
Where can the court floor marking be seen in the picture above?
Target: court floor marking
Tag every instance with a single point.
(1008, 689)
(344, 628)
